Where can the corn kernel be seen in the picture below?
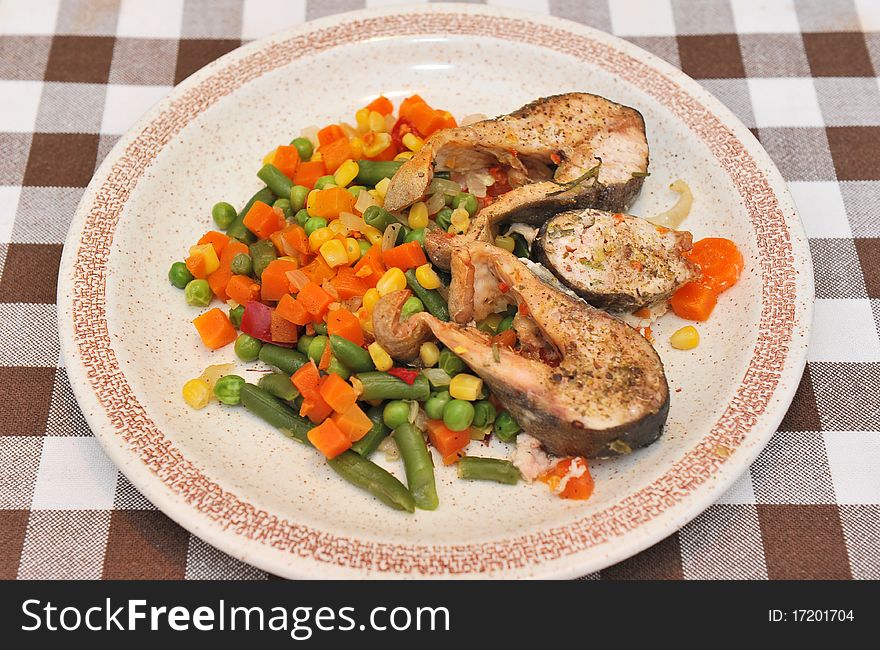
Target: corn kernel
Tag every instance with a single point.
(209, 254)
(352, 249)
(460, 218)
(418, 215)
(382, 187)
(391, 280)
(429, 353)
(373, 235)
(362, 118)
(334, 254)
(427, 277)
(337, 227)
(505, 242)
(320, 237)
(316, 156)
(412, 142)
(366, 319)
(377, 122)
(403, 156)
(346, 173)
(310, 202)
(380, 358)
(371, 297)
(197, 393)
(378, 199)
(269, 157)
(357, 148)
(687, 338)
(379, 143)
(465, 386)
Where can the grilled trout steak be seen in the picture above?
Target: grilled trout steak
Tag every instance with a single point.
(598, 148)
(582, 382)
(615, 261)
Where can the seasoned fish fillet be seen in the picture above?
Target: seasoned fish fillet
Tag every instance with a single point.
(599, 149)
(615, 261)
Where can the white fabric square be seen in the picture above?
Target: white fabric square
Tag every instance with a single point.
(33, 17)
(854, 459)
(285, 13)
(785, 102)
(741, 491)
(21, 101)
(8, 204)
(764, 16)
(124, 105)
(74, 474)
(869, 14)
(844, 330)
(642, 18)
(821, 208)
(155, 19)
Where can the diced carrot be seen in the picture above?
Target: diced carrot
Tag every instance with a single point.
(407, 105)
(337, 392)
(330, 202)
(719, 260)
(576, 487)
(318, 270)
(348, 285)
(295, 236)
(277, 241)
(381, 105)
(217, 239)
(308, 172)
(307, 380)
(406, 256)
(219, 279)
(447, 441)
(353, 422)
(326, 356)
(283, 331)
(314, 299)
(292, 310)
(242, 289)
(197, 265)
(329, 439)
(274, 278)
(448, 120)
(214, 328)
(330, 133)
(694, 301)
(505, 339)
(370, 267)
(263, 220)
(345, 324)
(425, 119)
(335, 153)
(315, 409)
(286, 159)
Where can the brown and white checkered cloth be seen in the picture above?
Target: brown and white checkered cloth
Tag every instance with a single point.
(74, 75)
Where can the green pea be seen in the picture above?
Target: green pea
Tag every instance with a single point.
(466, 201)
(304, 147)
(314, 223)
(444, 219)
(416, 235)
(235, 316)
(506, 427)
(302, 217)
(378, 217)
(435, 404)
(412, 306)
(450, 362)
(336, 367)
(484, 414)
(247, 348)
(242, 264)
(224, 214)
(395, 413)
(321, 328)
(198, 293)
(458, 414)
(505, 324)
(298, 196)
(303, 343)
(179, 275)
(316, 348)
(284, 206)
(325, 181)
(364, 246)
(228, 389)
(356, 190)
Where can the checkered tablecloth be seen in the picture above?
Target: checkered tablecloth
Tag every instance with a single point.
(802, 74)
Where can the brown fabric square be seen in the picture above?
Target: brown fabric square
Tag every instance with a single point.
(30, 273)
(713, 56)
(25, 411)
(854, 150)
(194, 54)
(83, 59)
(803, 414)
(803, 542)
(61, 159)
(145, 544)
(868, 249)
(13, 526)
(660, 562)
(838, 54)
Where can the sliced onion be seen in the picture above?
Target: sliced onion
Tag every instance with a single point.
(435, 203)
(674, 216)
(413, 411)
(364, 201)
(389, 238)
(350, 131)
(352, 221)
(472, 118)
(448, 187)
(327, 286)
(421, 420)
(475, 184)
(297, 278)
(437, 376)
(310, 132)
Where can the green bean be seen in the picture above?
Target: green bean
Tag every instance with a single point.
(520, 245)
(488, 469)
(247, 348)
(179, 275)
(444, 219)
(411, 306)
(505, 324)
(484, 414)
(228, 389)
(262, 254)
(395, 413)
(284, 206)
(303, 343)
(235, 316)
(325, 181)
(352, 355)
(275, 412)
(298, 196)
(356, 190)
(435, 404)
(237, 229)
(506, 427)
(458, 414)
(370, 442)
(402, 234)
(431, 298)
(279, 385)
(275, 180)
(304, 147)
(418, 465)
(242, 264)
(378, 217)
(321, 328)
(302, 217)
(381, 385)
(416, 235)
(336, 367)
(313, 223)
(364, 245)
(368, 476)
(371, 172)
(316, 348)
(285, 359)
(223, 215)
(450, 362)
(198, 293)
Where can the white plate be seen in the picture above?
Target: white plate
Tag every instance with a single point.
(230, 479)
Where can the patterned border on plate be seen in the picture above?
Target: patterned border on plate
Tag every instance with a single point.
(143, 437)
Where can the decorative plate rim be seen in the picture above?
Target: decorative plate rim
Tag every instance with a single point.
(188, 496)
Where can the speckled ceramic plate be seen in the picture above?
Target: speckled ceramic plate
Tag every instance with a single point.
(129, 345)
